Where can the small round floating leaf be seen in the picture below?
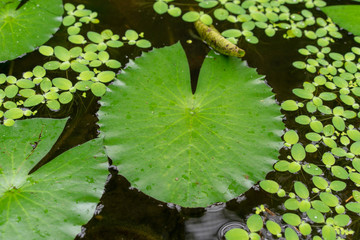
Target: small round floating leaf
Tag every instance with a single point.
(305, 229)
(174, 11)
(208, 4)
(83, 85)
(11, 91)
(341, 220)
(62, 83)
(337, 185)
(65, 97)
(160, 7)
(221, 14)
(39, 71)
(329, 142)
(355, 177)
(231, 33)
(312, 169)
(14, 113)
(236, 233)
(356, 164)
(353, 206)
(320, 182)
(320, 206)
(78, 67)
(303, 119)
(9, 122)
(315, 216)
(328, 232)
(95, 63)
(53, 105)
(77, 39)
(206, 19)
(27, 92)
(90, 56)
(314, 137)
(289, 105)
(46, 50)
(45, 85)
(234, 8)
(356, 195)
(9, 105)
(291, 204)
(62, 53)
(282, 166)
(143, 43)
(254, 223)
(291, 137)
(273, 227)
(339, 172)
(259, 16)
(98, 89)
(64, 66)
(290, 234)
(301, 190)
(73, 30)
(69, 20)
(339, 152)
(292, 219)
(329, 199)
(25, 83)
(299, 64)
(51, 95)
(316, 126)
(52, 65)
(269, 186)
(298, 152)
(33, 100)
(114, 44)
(86, 75)
(113, 64)
(131, 35)
(355, 148)
(294, 167)
(191, 16)
(106, 76)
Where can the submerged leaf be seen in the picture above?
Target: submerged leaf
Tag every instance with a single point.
(190, 149)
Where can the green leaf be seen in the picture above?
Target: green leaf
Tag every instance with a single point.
(62, 193)
(270, 186)
(328, 232)
(236, 233)
(254, 223)
(315, 216)
(28, 27)
(191, 16)
(292, 219)
(320, 206)
(305, 229)
(62, 83)
(98, 89)
(291, 137)
(289, 105)
(298, 152)
(33, 100)
(329, 199)
(341, 220)
(346, 16)
(273, 227)
(160, 7)
(353, 206)
(290, 234)
(301, 190)
(175, 139)
(62, 53)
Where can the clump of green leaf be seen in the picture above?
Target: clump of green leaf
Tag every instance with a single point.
(57, 199)
(323, 201)
(270, 16)
(21, 97)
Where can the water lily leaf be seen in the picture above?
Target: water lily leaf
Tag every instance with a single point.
(28, 27)
(169, 143)
(62, 193)
(345, 16)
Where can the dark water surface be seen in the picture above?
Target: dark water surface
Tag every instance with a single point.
(126, 213)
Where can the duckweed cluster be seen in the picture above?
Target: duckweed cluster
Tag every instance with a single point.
(270, 16)
(20, 97)
(323, 159)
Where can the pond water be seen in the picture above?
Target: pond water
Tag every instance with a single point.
(126, 213)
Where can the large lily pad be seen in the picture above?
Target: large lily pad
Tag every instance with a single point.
(24, 29)
(346, 16)
(184, 148)
(54, 201)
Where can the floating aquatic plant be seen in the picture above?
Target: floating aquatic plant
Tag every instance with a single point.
(190, 149)
(25, 28)
(88, 54)
(55, 200)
